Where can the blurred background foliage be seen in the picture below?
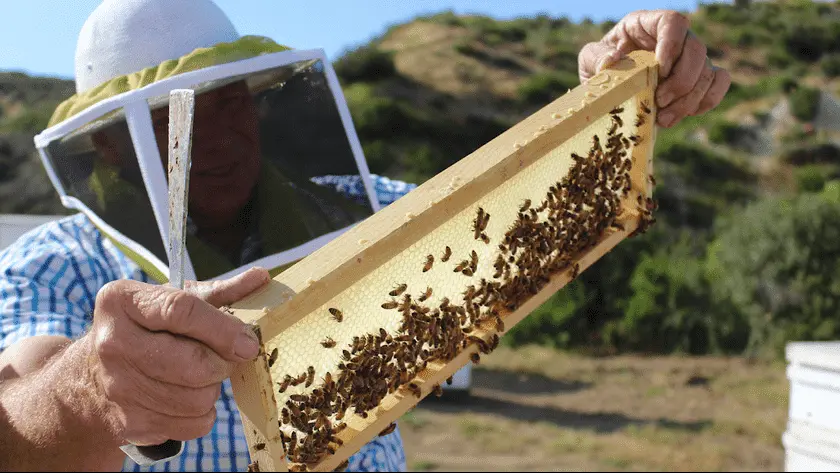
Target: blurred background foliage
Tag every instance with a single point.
(746, 252)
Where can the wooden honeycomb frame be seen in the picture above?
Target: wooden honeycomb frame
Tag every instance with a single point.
(312, 283)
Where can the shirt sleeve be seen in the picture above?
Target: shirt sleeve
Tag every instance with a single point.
(48, 284)
(387, 190)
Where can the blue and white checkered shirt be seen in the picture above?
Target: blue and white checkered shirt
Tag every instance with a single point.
(49, 279)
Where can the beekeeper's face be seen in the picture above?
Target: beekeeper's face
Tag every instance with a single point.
(225, 153)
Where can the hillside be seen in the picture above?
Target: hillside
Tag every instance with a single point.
(426, 93)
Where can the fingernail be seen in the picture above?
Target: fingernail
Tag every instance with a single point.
(666, 118)
(246, 345)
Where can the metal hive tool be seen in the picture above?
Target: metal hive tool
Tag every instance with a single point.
(358, 332)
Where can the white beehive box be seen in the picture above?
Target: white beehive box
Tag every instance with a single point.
(812, 439)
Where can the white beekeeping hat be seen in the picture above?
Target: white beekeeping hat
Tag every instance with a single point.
(124, 36)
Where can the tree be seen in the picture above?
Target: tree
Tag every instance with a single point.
(777, 262)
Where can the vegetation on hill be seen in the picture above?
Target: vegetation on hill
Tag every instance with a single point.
(740, 260)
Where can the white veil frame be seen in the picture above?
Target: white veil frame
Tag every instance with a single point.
(135, 104)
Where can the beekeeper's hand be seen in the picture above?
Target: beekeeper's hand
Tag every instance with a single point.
(689, 84)
(157, 355)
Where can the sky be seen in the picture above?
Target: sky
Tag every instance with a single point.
(39, 36)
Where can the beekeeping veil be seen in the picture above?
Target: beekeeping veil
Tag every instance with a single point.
(271, 132)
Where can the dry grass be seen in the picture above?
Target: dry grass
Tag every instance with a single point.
(537, 409)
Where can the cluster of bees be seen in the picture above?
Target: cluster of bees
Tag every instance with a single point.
(545, 240)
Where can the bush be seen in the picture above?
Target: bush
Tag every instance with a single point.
(30, 120)
(672, 309)
(777, 264)
(779, 59)
(367, 63)
(831, 65)
(804, 102)
(544, 87)
(726, 133)
(375, 117)
(821, 153)
(805, 41)
(812, 178)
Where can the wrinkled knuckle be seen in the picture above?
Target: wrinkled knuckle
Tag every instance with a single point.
(177, 307)
(111, 295)
(676, 18)
(107, 346)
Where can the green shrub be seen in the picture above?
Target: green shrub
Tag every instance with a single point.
(820, 153)
(779, 59)
(726, 14)
(367, 63)
(777, 263)
(672, 308)
(30, 120)
(811, 178)
(544, 87)
(831, 65)
(805, 41)
(375, 116)
(804, 102)
(725, 132)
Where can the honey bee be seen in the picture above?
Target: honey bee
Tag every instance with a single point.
(652, 179)
(286, 418)
(645, 107)
(475, 358)
(392, 304)
(273, 357)
(328, 343)
(525, 205)
(285, 384)
(460, 267)
(640, 120)
(449, 381)
(485, 238)
(259, 446)
(337, 315)
(300, 379)
(575, 271)
(500, 324)
(438, 390)
(388, 430)
(473, 260)
(310, 376)
(617, 119)
(426, 294)
(430, 260)
(617, 110)
(467, 272)
(415, 390)
(479, 219)
(447, 253)
(398, 290)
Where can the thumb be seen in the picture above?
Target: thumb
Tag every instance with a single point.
(595, 57)
(228, 291)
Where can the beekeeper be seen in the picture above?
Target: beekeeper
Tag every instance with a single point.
(96, 352)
